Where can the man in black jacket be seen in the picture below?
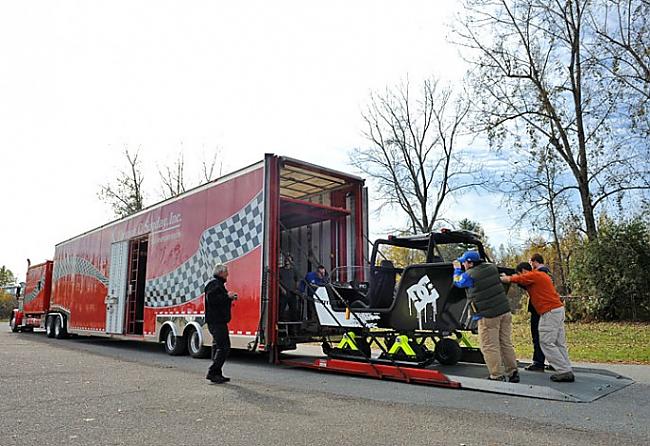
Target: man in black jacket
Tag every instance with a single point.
(217, 315)
(537, 262)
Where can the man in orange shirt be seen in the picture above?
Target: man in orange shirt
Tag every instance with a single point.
(548, 305)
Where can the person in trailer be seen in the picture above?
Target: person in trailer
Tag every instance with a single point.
(491, 307)
(218, 302)
(547, 303)
(288, 288)
(314, 279)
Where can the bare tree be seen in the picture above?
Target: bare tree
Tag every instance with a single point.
(624, 29)
(537, 82)
(624, 26)
(173, 178)
(124, 194)
(535, 191)
(413, 156)
(213, 167)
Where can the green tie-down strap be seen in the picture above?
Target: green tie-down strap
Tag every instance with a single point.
(465, 341)
(349, 341)
(401, 343)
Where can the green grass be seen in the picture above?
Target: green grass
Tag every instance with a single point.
(616, 342)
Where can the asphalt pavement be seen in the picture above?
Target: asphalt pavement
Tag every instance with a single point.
(94, 391)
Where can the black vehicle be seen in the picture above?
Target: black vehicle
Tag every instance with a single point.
(401, 306)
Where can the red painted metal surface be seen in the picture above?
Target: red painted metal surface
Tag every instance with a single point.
(38, 286)
(174, 229)
(380, 371)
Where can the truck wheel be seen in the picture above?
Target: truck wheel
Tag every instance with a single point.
(448, 351)
(12, 323)
(59, 328)
(49, 327)
(175, 345)
(194, 345)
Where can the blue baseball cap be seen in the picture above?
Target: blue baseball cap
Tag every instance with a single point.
(471, 256)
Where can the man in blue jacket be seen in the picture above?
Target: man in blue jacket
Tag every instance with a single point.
(314, 279)
(490, 304)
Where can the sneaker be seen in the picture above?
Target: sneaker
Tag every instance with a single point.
(499, 378)
(514, 378)
(566, 377)
(550, 367)
(534, 367)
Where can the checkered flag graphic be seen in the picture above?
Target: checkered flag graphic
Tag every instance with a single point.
(223, 242)
(77, 265)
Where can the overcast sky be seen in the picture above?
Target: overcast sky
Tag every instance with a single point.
(80, 80)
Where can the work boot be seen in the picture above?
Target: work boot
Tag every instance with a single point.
(534, 367)
(514, 378)
(498, 378)
(566, 377)
(219, 379)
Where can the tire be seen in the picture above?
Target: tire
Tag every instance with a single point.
(194, 347)
(448, 351)
(12, 323)
(49, 327)
(174, 345)
(59, 328)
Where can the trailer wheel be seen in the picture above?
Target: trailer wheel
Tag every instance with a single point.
(12, 323)
(448, 351)
(175, 345)
(194, 345)
(59, 328)
(49, 327)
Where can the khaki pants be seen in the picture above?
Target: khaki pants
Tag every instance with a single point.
(495, 335)
(552, 339)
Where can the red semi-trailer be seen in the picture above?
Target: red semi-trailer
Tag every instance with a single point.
(142, 277)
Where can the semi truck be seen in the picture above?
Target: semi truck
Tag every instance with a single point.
(142, 277)
(387, 309)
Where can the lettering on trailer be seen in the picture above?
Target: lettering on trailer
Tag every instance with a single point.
(148, 226)
(420, 295)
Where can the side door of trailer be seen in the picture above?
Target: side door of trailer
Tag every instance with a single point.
(116, 298)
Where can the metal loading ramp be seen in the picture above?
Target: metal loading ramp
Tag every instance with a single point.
(590, 384)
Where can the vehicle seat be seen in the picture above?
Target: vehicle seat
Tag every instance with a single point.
(382, 285)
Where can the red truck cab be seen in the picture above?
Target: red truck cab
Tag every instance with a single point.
(34, 299)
